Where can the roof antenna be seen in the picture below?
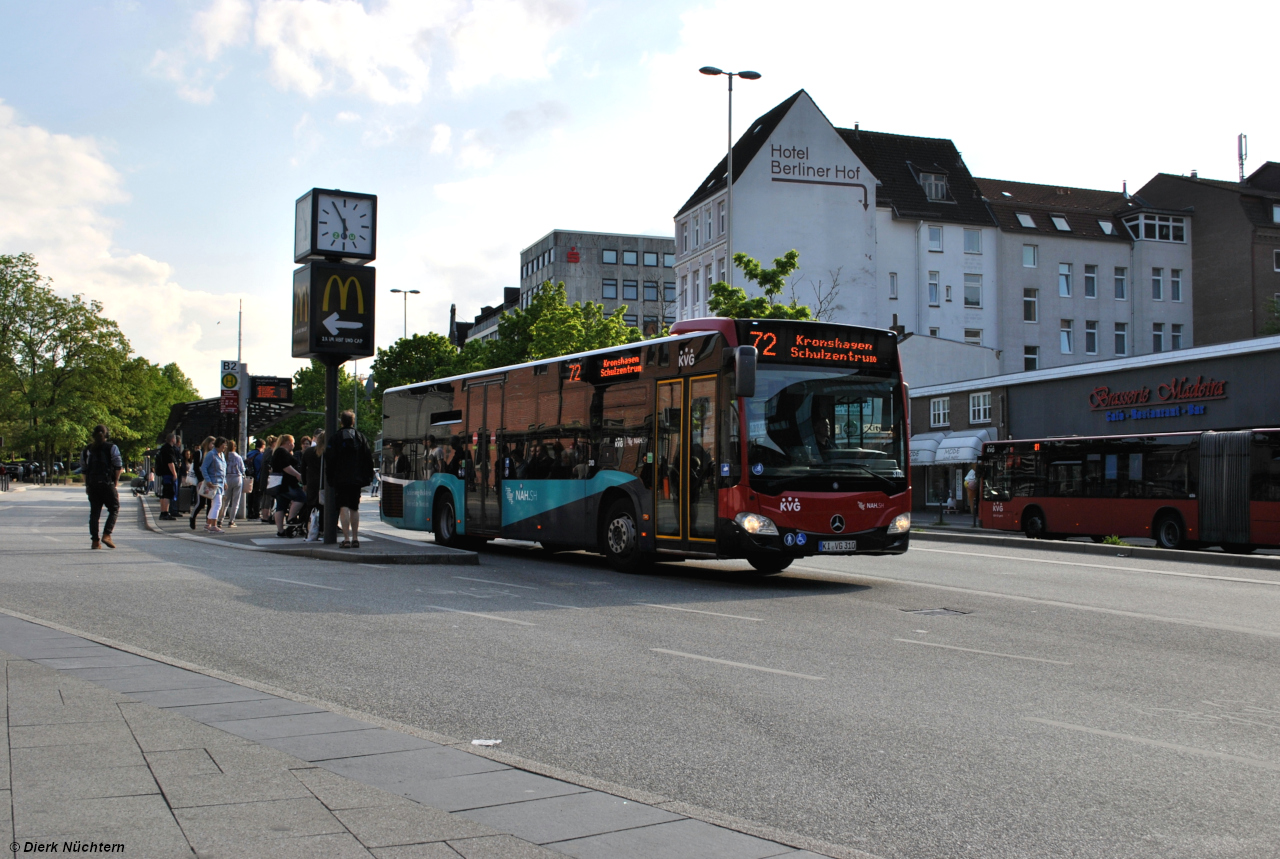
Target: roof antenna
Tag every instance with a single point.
(1242, 152)
(1124, 185)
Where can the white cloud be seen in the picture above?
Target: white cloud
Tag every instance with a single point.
(51, 205)
(224, 24)
(441, 136)
(347, 116)
(507, 39)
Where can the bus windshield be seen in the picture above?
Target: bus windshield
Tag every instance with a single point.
(823, 429)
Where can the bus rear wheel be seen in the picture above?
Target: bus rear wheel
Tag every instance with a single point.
(768, 564)
(620, 539)
(444, 523)
(1033, 524)
(1169, 533)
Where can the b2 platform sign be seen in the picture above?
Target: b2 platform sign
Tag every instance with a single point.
(229, 403)
(333, 310)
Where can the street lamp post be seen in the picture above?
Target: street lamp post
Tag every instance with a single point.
(407, 293)
(728, 231)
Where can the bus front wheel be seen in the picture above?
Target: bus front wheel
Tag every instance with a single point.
(445, 524)
(620, 539)
(1169, 532)
(1033, 524)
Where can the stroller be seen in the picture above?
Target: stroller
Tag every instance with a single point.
(139, 486)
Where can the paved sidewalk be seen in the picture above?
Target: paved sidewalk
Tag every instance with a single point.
(107, 747)
(375, 548)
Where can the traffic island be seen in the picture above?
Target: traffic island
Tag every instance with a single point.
(256, 536)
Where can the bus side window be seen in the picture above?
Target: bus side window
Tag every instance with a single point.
(1264, 481)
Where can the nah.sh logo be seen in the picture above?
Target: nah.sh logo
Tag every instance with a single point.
(790, 505)
(870, 505)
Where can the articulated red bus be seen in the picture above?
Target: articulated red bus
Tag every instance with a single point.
(1184, 490)
(638, 450)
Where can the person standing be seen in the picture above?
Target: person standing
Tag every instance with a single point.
(197, 462)
(214, 468)
(252, 464)
(313, 479)
(167, 461)
(349, 467)
(289, 495)
(101, 465)
(235, 486)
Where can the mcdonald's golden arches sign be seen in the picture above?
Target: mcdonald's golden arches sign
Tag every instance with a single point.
(333, 310)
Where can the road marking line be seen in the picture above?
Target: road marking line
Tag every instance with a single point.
(983, 652)
(478, 614)
(558, 605)
(735, 664)
(1200, 624)
(491, 582)
(304, 584)
(1104, 567)
(699, 611)
(1160, 744)
(375, 566)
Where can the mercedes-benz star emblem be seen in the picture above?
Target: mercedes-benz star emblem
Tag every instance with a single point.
(837, 523)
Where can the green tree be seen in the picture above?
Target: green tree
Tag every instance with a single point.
(732, 301)
(147, 393)
(1271, 321)
(308, 393)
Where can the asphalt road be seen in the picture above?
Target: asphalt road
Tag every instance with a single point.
(1078, 706)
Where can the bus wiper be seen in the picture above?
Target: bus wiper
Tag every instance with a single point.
(893, 487)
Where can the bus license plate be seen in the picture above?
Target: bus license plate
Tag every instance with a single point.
(837, 545)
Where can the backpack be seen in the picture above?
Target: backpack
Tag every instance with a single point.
(98, 463)
(352, 461)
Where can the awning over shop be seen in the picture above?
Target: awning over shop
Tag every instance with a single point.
(924, 446)
(962, 446)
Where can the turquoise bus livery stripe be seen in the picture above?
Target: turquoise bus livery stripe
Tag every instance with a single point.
(523, 499)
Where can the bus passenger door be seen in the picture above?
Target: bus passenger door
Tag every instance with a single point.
(703, 460)
(668, 465)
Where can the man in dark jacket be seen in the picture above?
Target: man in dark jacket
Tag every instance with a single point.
(101, 466)
(252, 465)
(349, 466)
(167, 462)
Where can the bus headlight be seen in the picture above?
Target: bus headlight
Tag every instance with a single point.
(901, 524)
(754, 523)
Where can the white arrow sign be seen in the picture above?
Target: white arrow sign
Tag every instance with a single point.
(333, 323)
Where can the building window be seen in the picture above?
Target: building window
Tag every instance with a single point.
(1175, 336)
(650, 258)
(668, 291)
(668, 321)
(1107, 227)
(1122, 338)
(629, 258)
(935, 238)
(708, 283)
(1091, 281)
(980, 408)
(708, 213)
(1064, 279)
(651, 328)
(934, 332)
(893, 284)
(697, 231)
(668, 260)
(933, 288)
(684, 237)
(722, 277)
(1064, 337)
(1157, 284)
(973, 290)
(1030, 256)
(630, 290)
(697, 286)
(1275, 213)
(1175, 284)
(935, 185)
(1026, 220)
(1161, 228)
(948, 292)
(722, 217)
(1030, 300)
(940, 412)
(1122, 276)
(631, 319)
(973, 336)
(1090, 337)
(1157, 336)
(1031, 357)
(973, 241)
(650, 290)
(609, 257)
(684, 293)
(610, 288)
(1060, 223)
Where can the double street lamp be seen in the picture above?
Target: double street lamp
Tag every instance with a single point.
(407, 293)
(728, 232)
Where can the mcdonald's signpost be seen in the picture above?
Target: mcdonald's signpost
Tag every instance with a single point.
(333, 295)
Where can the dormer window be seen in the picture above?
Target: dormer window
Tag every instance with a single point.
(1025, 220)
(1060, 223)
(935, 185)
(1108, 228)
(1161, 228)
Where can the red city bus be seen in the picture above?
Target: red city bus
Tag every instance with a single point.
(1184, 490)
(637, 451)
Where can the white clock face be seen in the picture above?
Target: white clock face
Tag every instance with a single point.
(344, 224)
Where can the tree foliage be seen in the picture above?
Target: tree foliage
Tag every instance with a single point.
(308, 394)
(65, 367)
(1271, 320)
(733, 302)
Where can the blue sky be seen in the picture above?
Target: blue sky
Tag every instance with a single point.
(150, 152)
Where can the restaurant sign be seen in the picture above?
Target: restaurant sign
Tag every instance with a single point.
(1175, 398)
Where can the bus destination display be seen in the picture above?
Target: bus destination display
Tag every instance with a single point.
(786, 342)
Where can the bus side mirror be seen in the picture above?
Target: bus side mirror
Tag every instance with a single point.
(744, 371)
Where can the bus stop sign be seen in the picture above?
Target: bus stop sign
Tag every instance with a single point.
(333, 306)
